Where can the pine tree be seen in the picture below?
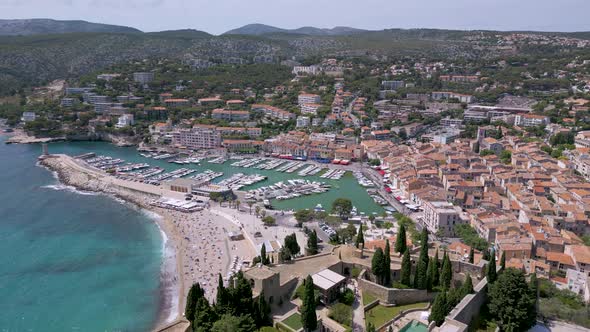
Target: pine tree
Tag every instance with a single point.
(491, 270)
(400, 241)
(204, 316)
(471, 255)
(438, 312)
(436, 270)
(194, 294)
(312, 243)
(406, 271)
(308, 315)
(511, 303)
(387, 264)
(446, 275)
(360, 238)
(503, 261)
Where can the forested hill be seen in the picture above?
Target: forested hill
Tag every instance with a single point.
(48, 26)
(37, 59)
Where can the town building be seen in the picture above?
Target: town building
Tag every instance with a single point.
(230, 115)
(69, 102)
(442, 217)
(177, 102)
(125, 120)
(143, 77)
(272, 112)
(531, 120)
(198, 137)
(303, 121)
(28, 117)
(308, 98)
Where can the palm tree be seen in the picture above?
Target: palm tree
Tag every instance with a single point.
(257, 210)
(238, 203)
(250, 203)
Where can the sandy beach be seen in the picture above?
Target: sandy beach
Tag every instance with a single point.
(197, 247)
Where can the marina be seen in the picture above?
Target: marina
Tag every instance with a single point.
(216, 168)
(240, 180)
(362, 179)
(292, 189)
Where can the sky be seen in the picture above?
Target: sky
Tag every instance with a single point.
(218, 16)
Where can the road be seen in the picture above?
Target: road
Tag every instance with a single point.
(378, 180)
(358, 311)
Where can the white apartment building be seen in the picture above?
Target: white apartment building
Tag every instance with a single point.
(309, 108)
(530, 120)
(107, 77)
(94, 99)
(28, 116)
(198, 137)
(125, 120)
(441, 217)
(308, 98)
(69, 102)
(143, 77)
(448, 122)
(308, 70)
(303, 121)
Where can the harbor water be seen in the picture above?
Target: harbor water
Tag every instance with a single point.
(347, 186)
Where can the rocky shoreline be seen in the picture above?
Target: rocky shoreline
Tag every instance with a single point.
(21, 137)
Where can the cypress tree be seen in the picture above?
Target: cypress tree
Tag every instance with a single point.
(438, 312)
(406, 271)
(503, 261)
(194, 294)
(446, 275)
(467, 287)
(387, 263)
(378, 265)
(360, 238)
(262, 311)
(421, 278)
(491, 273)
(430, 275)
(222, 299)
(263, 258)
(400, 241)
(308, 316)
(436, 270)
(312, 243)
(471, 255)
(534, 286)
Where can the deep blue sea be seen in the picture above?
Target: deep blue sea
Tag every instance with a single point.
(71, 261)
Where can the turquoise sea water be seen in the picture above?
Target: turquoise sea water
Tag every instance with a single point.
(71, 262)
